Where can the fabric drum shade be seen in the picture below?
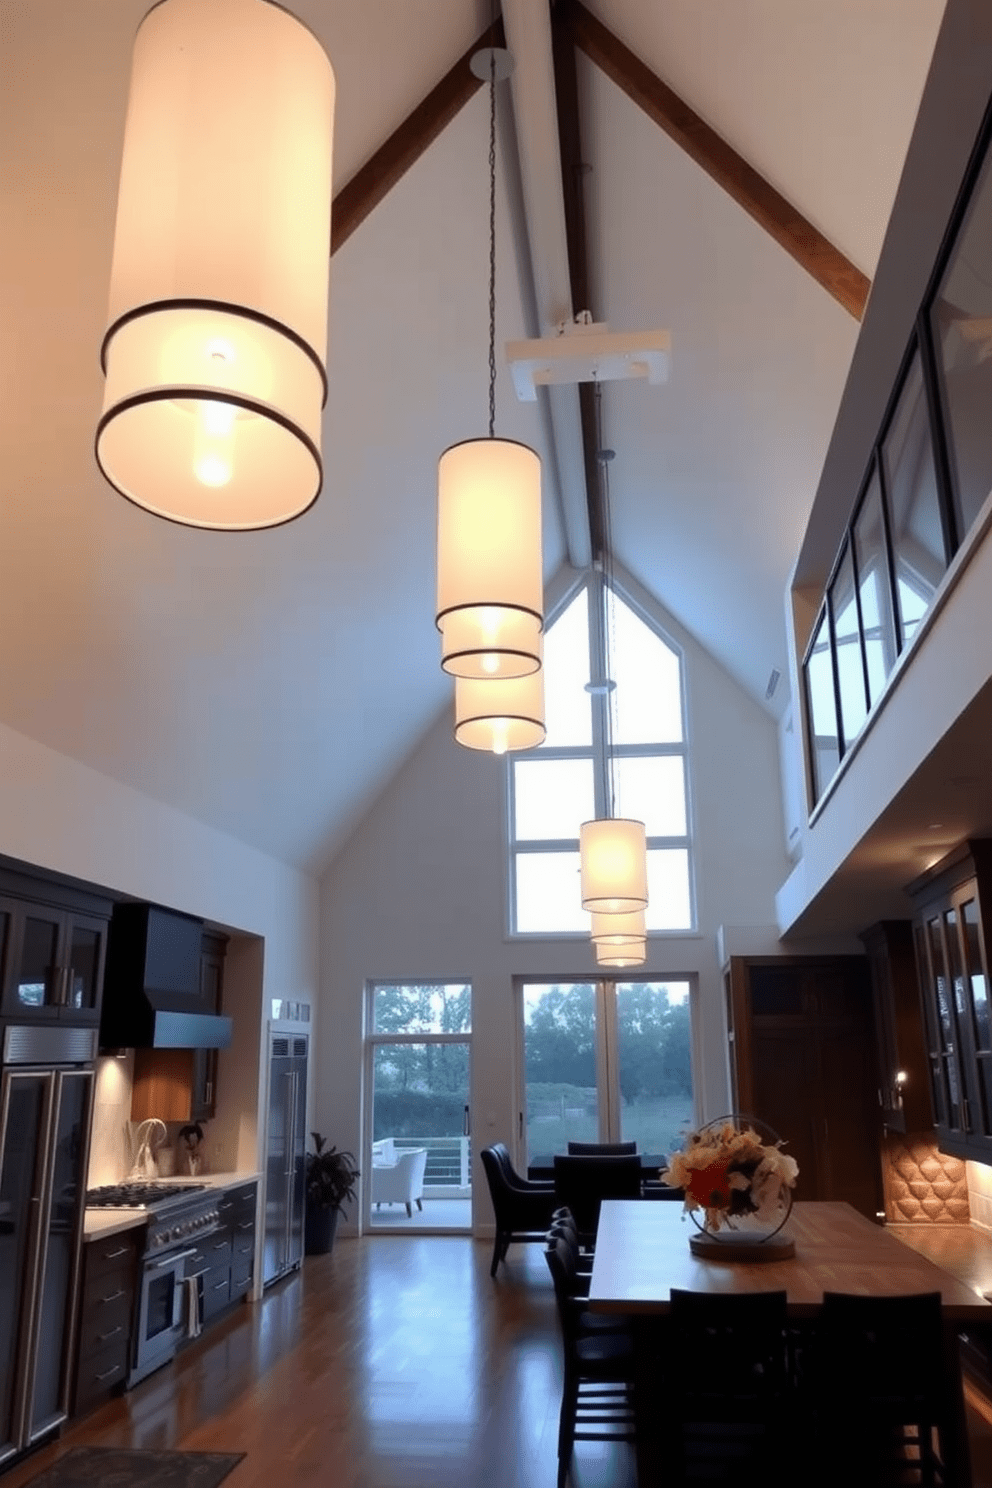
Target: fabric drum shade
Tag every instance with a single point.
(500, 714)
(634, 953)
(614, 865)
(490, 587)
(618, 929)
(217, 331)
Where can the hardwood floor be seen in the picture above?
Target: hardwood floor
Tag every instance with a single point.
(395, 1362)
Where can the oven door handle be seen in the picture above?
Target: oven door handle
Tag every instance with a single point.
(172, 1258)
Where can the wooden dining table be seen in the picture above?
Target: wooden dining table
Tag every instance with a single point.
(642, 1252)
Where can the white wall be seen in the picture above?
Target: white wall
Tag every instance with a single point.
(58, 814)
(418, 892)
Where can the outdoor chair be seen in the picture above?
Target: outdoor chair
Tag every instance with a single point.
(401, 1182)
(522, 1208)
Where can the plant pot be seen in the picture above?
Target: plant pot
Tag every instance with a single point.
(321, 1223)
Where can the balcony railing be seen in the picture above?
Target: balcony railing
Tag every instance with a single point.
(448, 1174)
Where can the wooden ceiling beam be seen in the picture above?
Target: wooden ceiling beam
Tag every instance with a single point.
(407, 143)
(573, 170)
(790, 229)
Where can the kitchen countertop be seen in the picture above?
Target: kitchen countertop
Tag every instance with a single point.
(100, 1222)
(964, 1250)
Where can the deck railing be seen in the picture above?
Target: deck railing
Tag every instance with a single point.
(448, 1174)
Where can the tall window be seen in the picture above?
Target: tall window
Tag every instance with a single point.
(555, 788)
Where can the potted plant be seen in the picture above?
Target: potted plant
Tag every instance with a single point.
(330, 1183)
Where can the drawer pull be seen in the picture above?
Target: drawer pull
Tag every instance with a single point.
(218, 1284)
(111, 1255)
(112, 1296)
(220, 1244)
(195, 1275)
(102, 1337)
(249, 1224)
(108, 1374)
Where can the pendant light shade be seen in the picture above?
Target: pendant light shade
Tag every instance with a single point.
(217, 335)
(634, 953)
(490, 588)
(614, 865)
(618, 929)
(501, 714)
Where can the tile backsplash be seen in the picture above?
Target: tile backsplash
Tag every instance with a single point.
(110, 1141)
(980, 1193)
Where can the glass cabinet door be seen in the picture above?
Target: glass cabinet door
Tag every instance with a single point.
(975, 1002)
(33, 983)
(85, 949)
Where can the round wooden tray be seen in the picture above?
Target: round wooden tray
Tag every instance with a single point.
(743, 1247)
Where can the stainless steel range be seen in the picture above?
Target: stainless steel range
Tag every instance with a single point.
(180, 1215)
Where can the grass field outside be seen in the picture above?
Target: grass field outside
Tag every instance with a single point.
(557, 1115)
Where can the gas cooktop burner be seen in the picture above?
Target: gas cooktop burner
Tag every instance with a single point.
(140, 1194)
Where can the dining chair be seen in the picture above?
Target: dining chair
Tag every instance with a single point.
(725, 1415)
(522, 1208)
(602, 1149)
(881, 1391)
(582, 1182)
(597, 1401)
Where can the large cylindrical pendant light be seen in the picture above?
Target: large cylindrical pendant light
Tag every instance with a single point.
(490, 588)
(634, 953)
(217, 335)
(490, 580)
(618, 929)
(501, 714)
(613, 854)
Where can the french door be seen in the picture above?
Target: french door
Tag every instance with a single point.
(604, 1061)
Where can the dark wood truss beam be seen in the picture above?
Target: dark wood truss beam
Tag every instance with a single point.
(790, 229)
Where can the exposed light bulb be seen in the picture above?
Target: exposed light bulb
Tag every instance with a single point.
(490, 663)
(213, 442)
(500, 735)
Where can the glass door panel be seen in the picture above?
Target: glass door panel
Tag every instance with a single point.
(421, 1162)
(654, 1065)
(51, 1403)
(23, 1101)
(562, 1099)
(84, 956)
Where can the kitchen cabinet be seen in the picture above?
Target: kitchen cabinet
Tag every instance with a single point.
(803, 1061)
(53, 946)
(110, 1271)
(226, 1258)
(181, 1084)
(903, 1070)
(952, 903)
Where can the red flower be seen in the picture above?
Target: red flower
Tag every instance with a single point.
(711, 1186)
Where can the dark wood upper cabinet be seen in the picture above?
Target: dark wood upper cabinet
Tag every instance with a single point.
(953, 902)
(903, 1067)
(53, 947)
(803, 1061)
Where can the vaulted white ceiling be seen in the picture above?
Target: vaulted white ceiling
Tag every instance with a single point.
(269, 683)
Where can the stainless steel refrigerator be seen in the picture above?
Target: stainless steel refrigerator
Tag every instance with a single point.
(285, 1163)
(46, 1096)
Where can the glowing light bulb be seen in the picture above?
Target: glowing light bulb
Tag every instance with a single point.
(213, 442)
(500, 735)
(490, 663)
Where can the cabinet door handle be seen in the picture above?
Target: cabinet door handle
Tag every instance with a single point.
(248, 1224)
(112, 1296)
(111, 1255)
(209, 1092)
(218, 1284)
(108, 1374)
(102, 1337)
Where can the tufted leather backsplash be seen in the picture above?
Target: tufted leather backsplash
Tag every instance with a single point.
(922, 1185)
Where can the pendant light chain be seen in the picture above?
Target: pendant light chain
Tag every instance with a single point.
(492, 242)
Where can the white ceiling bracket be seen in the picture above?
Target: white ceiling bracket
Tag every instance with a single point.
(587, 351)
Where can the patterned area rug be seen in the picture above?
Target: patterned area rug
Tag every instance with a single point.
(115, 1467)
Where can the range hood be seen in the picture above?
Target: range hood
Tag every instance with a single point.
(152, 992)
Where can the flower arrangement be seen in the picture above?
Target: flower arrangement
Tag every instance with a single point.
(730, 1173)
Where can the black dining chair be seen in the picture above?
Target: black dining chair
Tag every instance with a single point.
(583, 1182)
(597, 1401)
(726, 1414)
(882, 1392)
(602, 1149)
(522, 1208)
